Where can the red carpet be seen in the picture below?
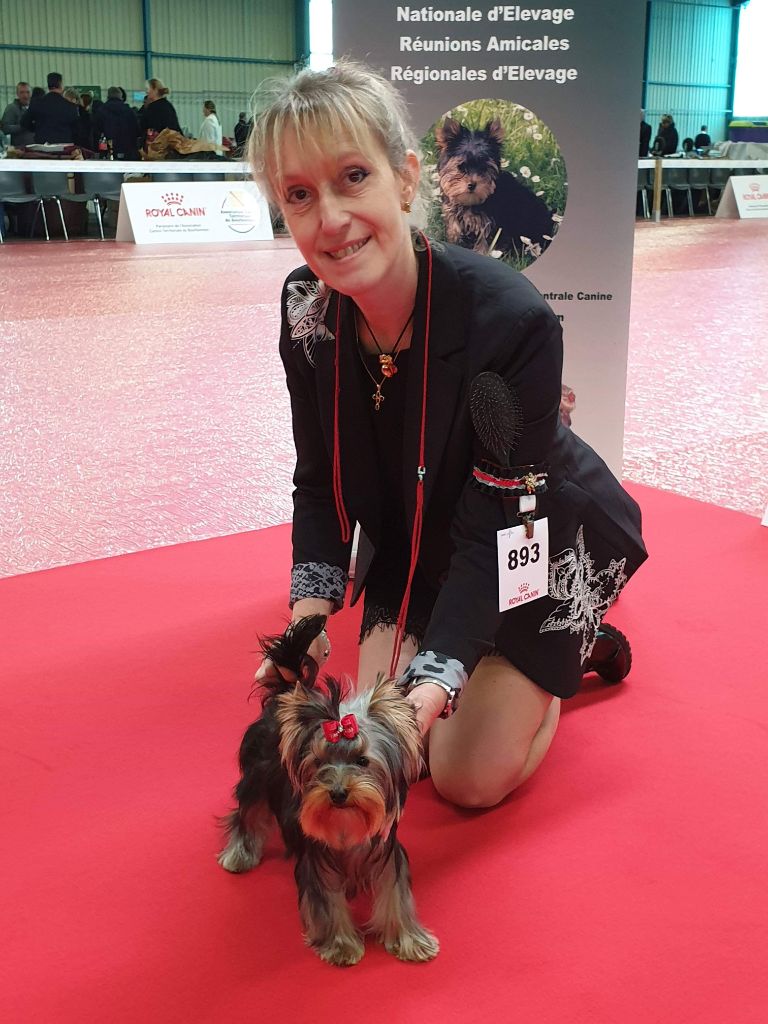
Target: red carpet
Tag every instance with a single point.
(625, 882)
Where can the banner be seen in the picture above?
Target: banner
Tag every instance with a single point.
(557, 89)
(744, 195)
(163, 212)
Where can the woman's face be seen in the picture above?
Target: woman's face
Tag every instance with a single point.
(342, 205)
(152, 94)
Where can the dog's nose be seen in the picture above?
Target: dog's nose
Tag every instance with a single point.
(471, 186)
(339, 797)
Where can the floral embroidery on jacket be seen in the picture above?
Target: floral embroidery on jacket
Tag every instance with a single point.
(306, 307)
(585, 595)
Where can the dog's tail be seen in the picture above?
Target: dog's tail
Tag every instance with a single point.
(288, 652)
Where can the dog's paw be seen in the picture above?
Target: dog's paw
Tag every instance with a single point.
(342, 950)
(241, 854)
(416, 946)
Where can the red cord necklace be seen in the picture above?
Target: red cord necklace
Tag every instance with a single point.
(421, 469)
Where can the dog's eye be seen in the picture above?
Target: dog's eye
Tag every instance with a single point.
(362, 762)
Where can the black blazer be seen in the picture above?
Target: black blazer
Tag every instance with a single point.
(484, 317)
(159, 115)
(118, 122)
(52, 118)
(645, 139)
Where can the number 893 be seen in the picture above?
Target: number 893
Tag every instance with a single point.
(520, 557)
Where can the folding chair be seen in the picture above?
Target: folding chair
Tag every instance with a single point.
(698, 178)
(51, 185)
(643, 181)
(13, 191)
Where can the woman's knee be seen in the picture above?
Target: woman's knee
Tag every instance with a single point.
(476, 790)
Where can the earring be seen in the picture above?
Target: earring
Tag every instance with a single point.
(405, 206)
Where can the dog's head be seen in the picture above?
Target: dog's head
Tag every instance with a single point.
(468, 162)
(350, 759)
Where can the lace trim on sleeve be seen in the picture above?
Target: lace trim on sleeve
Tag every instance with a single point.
(318, 579)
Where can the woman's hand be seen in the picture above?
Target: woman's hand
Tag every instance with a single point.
(319, 649)
(428, 700)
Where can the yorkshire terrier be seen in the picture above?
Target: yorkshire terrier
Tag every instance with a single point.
(334, 769)
(483, 206)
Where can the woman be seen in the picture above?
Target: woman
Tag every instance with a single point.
(665, 143)
(158, 112)
(210, 129)
(399, 455)
(82, 130)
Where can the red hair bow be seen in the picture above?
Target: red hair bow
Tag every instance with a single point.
(347, 728)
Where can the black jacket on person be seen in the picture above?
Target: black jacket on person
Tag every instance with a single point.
(159, 115)
(241, 132)
(52, 118)
(666, 141)
(645, 139)
(484, 316)
(83, 130)
(115, 120)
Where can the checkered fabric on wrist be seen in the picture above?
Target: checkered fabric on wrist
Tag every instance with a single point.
(318, 579)
(438, 667)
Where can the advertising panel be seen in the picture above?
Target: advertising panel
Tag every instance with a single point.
(192, 211)
(556, 92)
(744, 195)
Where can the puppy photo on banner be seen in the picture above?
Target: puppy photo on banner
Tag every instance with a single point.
(500, 183)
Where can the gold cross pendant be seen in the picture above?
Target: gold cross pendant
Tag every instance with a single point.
(377, 397)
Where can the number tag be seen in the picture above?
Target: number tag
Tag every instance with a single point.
(523, 565)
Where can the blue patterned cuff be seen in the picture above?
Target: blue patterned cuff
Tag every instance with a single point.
(439, 666)
(318, 579)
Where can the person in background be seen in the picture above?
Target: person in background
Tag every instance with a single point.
(87, 110)
(702, 140)
(210, 129)
(83, 129)
(51, 117)
(158, 112)
(645, 136)
(115, 120)
(37, 92)
(667, 139)
(241, 130)
(10, 123)
(687, 147)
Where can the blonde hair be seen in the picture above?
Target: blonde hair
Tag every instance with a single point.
(159, 86)
(72, 95)
(348, 99)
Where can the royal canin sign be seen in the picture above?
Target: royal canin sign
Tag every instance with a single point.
(173, 206)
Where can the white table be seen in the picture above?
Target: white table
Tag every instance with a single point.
(238, 167)
(659, 163)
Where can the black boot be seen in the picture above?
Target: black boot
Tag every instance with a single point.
(611, 656)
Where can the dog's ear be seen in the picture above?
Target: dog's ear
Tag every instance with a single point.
(289, 649)
(299, 712)
(389, 709)
(495, 130)
(448, 133)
